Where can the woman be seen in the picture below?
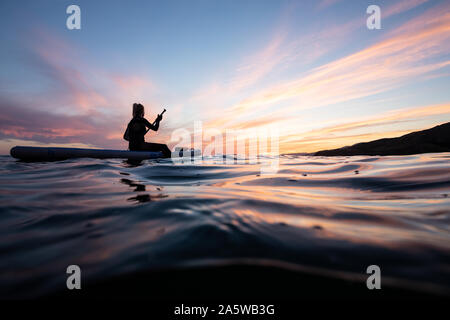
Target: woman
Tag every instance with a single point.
(137, 128)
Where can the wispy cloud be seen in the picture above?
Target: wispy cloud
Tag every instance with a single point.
(22, 122)
(81, 103)
(344, 133)
(404, 55)
(401, 6)
(326, 3)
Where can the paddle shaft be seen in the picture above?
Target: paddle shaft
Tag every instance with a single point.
(155, 120)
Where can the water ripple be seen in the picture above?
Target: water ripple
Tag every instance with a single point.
(338, 214)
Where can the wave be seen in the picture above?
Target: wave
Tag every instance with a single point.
(114, 218)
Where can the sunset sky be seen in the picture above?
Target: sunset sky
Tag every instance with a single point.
(312, 68)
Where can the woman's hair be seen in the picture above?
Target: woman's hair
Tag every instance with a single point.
(138, 110)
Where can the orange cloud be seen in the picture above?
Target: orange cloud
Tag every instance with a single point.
(81, 87)
(329, 136)
(402, 57)
(78, 101)
(400, 7)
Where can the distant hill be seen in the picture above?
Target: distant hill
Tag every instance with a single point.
(436, 139)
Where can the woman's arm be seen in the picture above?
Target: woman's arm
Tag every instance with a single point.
(151, 126)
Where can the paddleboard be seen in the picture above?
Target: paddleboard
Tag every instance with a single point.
(52, 154)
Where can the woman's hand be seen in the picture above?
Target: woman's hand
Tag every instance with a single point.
(159, 118)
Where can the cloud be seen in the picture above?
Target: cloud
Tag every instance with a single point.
(413, 52)
(248, 72)
(340, 134)
(417, 48)
(72, 82)
(76, 101)
(25, 123)
(401, 7)
(40, 127)
(59, 64)
(80, 102)
(323, 4)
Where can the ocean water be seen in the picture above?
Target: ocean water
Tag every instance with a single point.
(318, 215)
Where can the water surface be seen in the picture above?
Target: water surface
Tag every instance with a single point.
(333, 215)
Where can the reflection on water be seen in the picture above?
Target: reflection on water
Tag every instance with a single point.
(138, 187)
(335, 214)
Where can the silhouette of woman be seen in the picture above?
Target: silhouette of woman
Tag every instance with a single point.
(137, 128)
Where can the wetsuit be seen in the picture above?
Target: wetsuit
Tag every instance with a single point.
(137, 128)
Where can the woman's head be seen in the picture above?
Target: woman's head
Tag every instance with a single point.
(138, 110)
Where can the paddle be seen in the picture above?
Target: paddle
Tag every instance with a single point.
(154, 122)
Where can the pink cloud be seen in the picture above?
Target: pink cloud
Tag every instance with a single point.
(400, 7)
(81, 103)
(404, 55)
(326, 3)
